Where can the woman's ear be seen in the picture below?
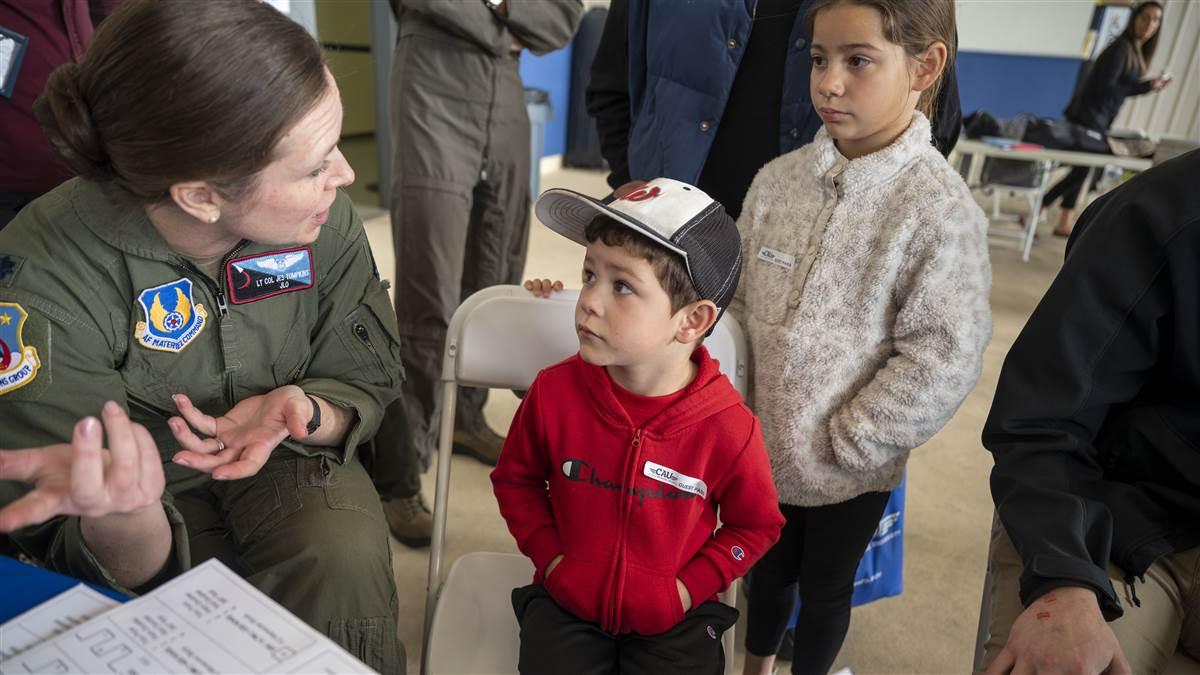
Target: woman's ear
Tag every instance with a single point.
(930, 65)
(197, 199)
(698, 318)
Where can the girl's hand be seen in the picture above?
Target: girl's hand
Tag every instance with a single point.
(543, 287)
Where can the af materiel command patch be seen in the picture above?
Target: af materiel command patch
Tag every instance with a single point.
(173, 319)
(19, 363)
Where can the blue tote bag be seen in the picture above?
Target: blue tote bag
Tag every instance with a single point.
(881, 570)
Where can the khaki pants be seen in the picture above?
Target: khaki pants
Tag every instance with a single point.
(1168, 619)
(310, 533)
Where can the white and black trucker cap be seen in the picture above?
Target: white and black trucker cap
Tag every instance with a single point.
(675, 215)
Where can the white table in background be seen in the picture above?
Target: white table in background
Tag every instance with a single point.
(978, 150)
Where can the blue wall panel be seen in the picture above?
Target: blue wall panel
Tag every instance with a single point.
(551, 72)
(1008, 84)
(1002, 84)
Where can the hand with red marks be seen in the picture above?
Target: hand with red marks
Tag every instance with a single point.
(1062, 632)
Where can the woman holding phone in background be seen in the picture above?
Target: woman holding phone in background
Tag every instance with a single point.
(1120, 72)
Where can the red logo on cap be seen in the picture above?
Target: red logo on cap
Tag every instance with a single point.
(643, 194)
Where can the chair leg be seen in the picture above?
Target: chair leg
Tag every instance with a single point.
(1035, 214)
(983, 630)
(441, 497)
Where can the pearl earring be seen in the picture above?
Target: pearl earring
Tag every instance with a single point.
(214, 218)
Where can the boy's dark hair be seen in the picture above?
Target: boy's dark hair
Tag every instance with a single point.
(668, 267)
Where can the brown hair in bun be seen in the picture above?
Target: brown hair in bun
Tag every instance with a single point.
(174, 90)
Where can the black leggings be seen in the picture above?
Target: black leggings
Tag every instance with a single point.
(816, 559)
(1068, 187)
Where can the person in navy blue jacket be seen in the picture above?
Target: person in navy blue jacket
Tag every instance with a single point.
(709, 92)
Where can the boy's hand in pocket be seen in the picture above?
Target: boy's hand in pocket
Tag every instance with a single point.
(685, 597)
(543, 287)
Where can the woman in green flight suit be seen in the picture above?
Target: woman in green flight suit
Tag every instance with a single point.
(206, 273)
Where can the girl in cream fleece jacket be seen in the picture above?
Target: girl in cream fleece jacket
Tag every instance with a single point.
(864, 295)
(866, 306)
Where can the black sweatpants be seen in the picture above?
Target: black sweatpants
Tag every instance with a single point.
(815, 561)
(554, 641)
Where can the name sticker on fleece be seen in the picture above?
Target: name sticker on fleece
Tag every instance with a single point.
(672, 477)
(264, 275)
(777, 258)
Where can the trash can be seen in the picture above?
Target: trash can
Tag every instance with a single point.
(537, 103)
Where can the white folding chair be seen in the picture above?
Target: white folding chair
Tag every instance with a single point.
(500, 338)
(1033, 195)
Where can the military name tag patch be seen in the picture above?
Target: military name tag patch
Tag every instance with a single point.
(264, 275)
(18, 363)
(670, 476)
(173, 319)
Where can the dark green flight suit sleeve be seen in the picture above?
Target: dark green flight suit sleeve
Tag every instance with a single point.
(470, 20)
(77, 374)
(356, 345)
(543, 26)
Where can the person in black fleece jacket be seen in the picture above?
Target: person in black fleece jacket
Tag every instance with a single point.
(1118, 73)
(1095, 432)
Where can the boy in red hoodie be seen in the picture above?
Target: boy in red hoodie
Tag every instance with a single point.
(619, 457)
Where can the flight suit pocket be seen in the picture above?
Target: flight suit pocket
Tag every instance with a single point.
(293, 358)
(347, 486)
(257, 504)
(370, 335)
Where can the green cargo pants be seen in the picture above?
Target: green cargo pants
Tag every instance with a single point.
(308, 532)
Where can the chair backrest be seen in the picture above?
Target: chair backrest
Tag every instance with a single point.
(502, 336)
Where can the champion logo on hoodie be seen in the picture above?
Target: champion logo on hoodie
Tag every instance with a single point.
(579, 471)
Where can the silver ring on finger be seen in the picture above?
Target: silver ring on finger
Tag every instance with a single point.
(220, 445)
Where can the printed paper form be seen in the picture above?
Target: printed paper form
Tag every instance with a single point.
(209, 620)
(57, 615)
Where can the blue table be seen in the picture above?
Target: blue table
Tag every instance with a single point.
(23, 587)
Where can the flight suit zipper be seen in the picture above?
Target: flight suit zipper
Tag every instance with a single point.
(224, 323)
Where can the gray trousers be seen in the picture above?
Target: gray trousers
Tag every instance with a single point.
(460, 213)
